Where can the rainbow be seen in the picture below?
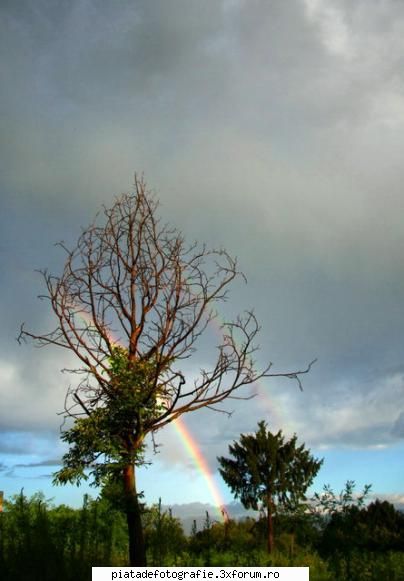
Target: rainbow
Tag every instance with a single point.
(192, 448)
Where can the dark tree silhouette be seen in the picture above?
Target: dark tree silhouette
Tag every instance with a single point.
(131, 303)
(266, 469)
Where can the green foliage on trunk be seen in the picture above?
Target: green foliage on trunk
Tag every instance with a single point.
(111, 437)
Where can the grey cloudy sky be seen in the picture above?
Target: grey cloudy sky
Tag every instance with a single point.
(273, 128)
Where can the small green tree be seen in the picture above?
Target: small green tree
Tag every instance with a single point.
(266, 470)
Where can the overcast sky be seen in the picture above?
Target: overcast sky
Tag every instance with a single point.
(273, 128)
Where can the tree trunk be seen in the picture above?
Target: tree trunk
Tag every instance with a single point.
(137, 550)
(270, 525)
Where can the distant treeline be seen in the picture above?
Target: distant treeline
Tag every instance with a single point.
(42, 542)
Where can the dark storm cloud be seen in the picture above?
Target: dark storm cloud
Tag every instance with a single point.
(274, 129)
(87, 80)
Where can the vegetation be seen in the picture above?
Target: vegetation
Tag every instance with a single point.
(267, 472)
(43, 542)
(131, 303)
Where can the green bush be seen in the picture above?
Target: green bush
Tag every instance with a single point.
(41, 542)
(368, 566)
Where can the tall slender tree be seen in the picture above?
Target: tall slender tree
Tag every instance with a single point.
(131, 303)
(267, 471)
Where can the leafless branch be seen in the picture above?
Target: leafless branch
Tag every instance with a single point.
(132, 281)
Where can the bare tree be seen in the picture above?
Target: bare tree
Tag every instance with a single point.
(131, 303)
